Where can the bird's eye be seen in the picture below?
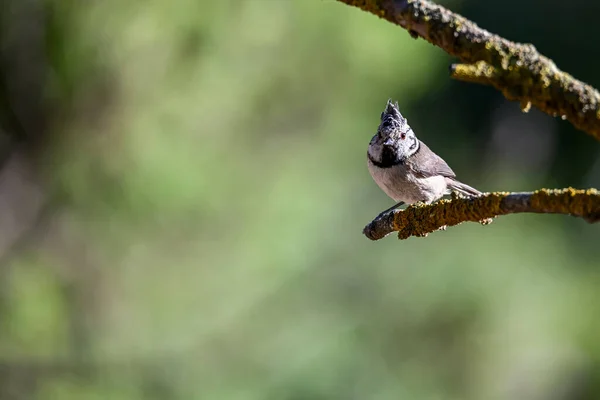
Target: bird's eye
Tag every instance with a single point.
(403, 136)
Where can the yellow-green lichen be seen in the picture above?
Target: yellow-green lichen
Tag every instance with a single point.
(421, 219)
(517, 70)
(583, 203)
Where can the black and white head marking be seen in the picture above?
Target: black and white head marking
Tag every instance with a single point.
(395, 141)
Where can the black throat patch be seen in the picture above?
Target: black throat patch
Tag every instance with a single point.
(388, 159)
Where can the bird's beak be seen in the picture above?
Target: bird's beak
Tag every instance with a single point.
(388, 142)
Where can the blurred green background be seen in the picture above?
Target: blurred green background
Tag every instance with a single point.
(184, 186)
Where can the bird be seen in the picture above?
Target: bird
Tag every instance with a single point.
(405, 168)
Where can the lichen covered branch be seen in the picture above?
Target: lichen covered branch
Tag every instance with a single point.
(422, 219)
(517, 70)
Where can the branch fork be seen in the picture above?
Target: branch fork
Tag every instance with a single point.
(518, 70)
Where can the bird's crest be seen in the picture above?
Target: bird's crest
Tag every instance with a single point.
(391, 119)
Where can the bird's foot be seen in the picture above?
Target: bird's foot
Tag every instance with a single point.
(389, 210)
(457, 195)
(384, 214)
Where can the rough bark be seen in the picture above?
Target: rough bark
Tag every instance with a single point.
(517, 70)
(422, 219)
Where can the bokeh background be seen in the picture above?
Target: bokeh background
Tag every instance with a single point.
(183, 188)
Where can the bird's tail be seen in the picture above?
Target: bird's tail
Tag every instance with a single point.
(462, 188)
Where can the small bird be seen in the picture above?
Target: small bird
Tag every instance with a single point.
(405, 168)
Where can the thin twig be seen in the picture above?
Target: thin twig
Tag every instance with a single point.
(421, 219)
(517, 70)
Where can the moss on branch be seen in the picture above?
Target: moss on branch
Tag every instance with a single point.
(422, 219)
(517, 70)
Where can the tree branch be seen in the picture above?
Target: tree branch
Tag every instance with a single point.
(521, 74)
(422, 219)
(517, 70)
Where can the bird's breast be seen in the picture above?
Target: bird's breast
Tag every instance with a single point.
(399, 183)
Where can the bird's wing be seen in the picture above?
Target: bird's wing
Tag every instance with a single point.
(425, 163)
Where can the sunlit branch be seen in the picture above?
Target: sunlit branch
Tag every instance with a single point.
(421, 219)
(517, 70)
